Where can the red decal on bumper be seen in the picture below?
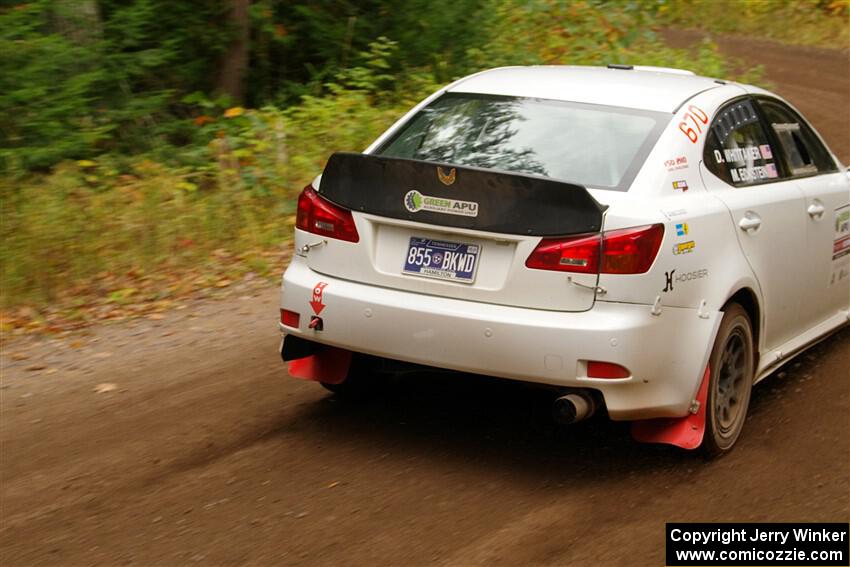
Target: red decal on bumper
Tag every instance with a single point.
(685, 432)
(316, 300)
(329, 366)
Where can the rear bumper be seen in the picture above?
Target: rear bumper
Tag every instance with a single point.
(666, 354)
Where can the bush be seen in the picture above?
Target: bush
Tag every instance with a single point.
(552, 32)
(79, 78)
(96, 220)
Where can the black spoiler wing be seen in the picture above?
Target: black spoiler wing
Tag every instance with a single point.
(459, 197)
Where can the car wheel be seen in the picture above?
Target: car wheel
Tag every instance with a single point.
(732, 365)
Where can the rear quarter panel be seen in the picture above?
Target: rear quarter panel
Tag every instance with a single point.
(699, 259)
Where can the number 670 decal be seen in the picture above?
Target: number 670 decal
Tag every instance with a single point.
(698, 118)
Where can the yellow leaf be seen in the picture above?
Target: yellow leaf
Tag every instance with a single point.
(234, 112)
(86, 163)
(203, 119)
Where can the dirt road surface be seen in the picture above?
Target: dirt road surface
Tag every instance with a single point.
(182, 441)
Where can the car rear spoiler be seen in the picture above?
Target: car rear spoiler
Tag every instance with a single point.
(459, 197)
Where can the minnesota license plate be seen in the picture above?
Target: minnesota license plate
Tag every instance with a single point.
(454, 261)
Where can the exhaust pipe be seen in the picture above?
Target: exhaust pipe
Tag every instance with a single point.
(573, 407)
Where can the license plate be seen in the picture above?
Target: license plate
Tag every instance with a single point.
(452, 261)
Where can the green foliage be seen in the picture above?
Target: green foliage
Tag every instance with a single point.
(360, 103)
(46, 93)
(587, 32)
(79, 78)
(234, 190)
(84, 77)
(808, 22)
(301, 45)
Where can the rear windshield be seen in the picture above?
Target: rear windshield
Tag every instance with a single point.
(596, 146)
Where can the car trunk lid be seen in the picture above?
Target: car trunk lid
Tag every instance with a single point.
(470, 231)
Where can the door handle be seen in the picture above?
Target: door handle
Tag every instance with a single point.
(749, 222)
(815, 210)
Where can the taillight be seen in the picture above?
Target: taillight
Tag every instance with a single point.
(626, 251)
(577, 254)
(631, 250)
(320, 216)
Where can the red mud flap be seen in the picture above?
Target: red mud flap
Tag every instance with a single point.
(329, 365)
(685, 432)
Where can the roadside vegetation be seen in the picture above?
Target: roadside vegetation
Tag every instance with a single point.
(151, 149)
(820, 23)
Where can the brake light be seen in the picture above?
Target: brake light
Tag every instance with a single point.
(320, 216)
(626, 251)
(577, 254)
(631, 250)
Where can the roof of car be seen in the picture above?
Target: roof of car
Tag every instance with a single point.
(643, 88)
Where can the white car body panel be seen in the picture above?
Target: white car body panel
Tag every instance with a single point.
(819, 278)
(781, 234)
(501, 277)
(534, 325)
(547, 347)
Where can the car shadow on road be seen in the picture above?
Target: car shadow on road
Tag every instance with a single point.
(501, 422)
(509, 424)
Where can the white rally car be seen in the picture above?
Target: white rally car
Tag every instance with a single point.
(644, 240)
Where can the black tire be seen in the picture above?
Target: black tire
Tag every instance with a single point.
(732, 364)
(362, 379)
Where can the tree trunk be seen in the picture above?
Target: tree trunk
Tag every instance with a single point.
(231, 77)
(77, 20)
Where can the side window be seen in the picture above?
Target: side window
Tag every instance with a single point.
(737, 149)
(803, 152)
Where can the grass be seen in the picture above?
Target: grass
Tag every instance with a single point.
(74, 252)
(89, 238)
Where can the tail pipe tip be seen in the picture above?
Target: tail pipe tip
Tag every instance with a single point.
(573, 407)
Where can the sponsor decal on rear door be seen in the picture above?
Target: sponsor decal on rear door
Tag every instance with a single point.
(678, 162)
(684, 247)
(748, 155)
(841, 246)
(680, 185)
